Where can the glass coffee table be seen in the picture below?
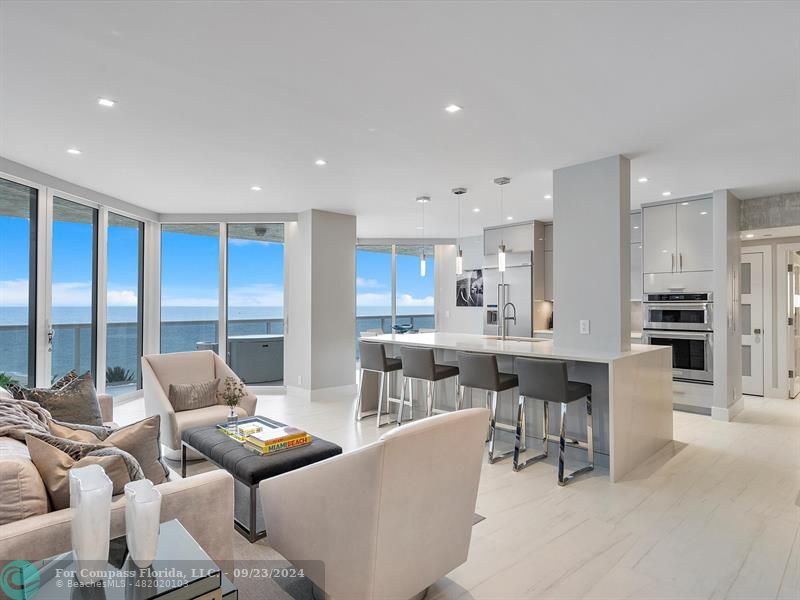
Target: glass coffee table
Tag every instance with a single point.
(248, 467)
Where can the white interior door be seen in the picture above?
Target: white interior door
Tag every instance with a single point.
(752, 319)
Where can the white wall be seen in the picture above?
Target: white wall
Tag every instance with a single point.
(727, 334)
(591, 255)
(320, 302)
(449, 317)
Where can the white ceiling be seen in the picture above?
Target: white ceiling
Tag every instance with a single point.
(216, 97)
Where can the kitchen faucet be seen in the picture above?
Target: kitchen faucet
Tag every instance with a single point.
(511, 318)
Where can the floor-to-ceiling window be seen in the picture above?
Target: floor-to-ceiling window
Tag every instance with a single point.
(373, 289)
(415, 290)
(73, 288)
(255, 301)
(18, 205)
(189, 287)
(125, 239)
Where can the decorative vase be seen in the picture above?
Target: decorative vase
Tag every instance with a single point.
(233, 419)
(90, 498)
(142, 521)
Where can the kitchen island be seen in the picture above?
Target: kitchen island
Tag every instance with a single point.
(631, 400)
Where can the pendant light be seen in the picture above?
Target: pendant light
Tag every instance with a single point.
(423, 267)
(501, 249)
(459, 191)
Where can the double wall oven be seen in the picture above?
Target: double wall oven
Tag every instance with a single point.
(684, 321)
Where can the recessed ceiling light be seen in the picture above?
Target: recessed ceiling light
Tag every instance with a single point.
(684, 204)
(509, 218)
(452, 108)
(106, 102)
(548, 197)
(643, 180)
(636, 227)
(256, 188)
(476, 210)
(73, 151)
(750, 235)
(419, 227)
(703, 212)
(423, 199)
(320, 162)
(666, 193)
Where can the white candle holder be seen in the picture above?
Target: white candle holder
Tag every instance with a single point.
(142, 521)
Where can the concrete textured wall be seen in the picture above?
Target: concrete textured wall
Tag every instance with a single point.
(780, 210)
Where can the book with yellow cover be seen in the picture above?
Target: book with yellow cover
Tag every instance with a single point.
(279, 446)
(268, 437)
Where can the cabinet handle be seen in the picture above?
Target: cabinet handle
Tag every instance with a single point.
(673, 263)
(680, 261)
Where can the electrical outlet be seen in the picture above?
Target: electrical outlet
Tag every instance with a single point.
(584, 325)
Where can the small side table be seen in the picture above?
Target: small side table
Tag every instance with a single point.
(181, 570)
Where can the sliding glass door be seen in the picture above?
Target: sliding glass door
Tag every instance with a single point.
(124, 304)
(189, 287)
(415, 291)
(18, 209)
(73, 288)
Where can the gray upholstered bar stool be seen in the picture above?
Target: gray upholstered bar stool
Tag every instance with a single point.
(420, 364)
(480, 371)
(373, 358)
(546, 380)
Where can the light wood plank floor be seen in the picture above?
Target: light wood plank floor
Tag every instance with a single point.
(715, 516)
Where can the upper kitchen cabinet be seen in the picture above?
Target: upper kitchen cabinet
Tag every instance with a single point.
(636, 228)
(660, 239)
(695, 248)
(678, 237)
(517, 238)
(548, 237)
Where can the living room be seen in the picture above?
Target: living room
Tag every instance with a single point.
(278, 285)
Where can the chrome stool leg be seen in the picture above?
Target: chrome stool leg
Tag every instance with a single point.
(402, 400)
(519, 448)
(360, 395)
(493, 457)
(381, 395)
(562, 479)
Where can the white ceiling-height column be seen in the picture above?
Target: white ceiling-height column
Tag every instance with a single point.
(151, 328)
(102, 299)
(394, 285)
(223, 292)
(592, 257)
(44, 291)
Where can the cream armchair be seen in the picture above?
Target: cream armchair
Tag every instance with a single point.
(160, 370)
(388, 520)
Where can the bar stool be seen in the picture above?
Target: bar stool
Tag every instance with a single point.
(373, 358)
(420, 364)
(546, 380)
(480, 371)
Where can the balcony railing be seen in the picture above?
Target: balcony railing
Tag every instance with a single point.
(72, 342)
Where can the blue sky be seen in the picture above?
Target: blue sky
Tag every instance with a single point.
(189, 270)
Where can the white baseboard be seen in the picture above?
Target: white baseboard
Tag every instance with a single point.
(267, 390)
(340, 391)
(730, 413)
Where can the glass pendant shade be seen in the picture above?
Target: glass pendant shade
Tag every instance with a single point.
(460, 262)
(423, 267)
(501, 258)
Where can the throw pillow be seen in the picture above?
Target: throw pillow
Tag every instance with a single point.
(142, 440)
(76, 402)
(66, 379)
(191, 396)
(53, 458)
(18, 392)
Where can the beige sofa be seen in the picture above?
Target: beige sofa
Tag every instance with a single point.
(203, 504)
(160, 370)
(385, 521)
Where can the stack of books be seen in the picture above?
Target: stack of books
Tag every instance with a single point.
(272, 441)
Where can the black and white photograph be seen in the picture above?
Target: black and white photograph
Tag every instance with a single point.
(469, 288)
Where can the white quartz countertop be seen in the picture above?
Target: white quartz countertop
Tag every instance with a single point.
(533, 347)
(635, 335)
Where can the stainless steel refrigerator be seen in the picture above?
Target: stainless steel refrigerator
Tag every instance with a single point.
(518, 281)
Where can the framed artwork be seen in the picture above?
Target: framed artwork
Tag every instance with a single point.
(469, 288)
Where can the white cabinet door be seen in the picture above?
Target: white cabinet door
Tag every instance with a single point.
(659, 238)
(636, 228)
(695, 235)
(636, 272)
(548, 275)
(517, 238)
